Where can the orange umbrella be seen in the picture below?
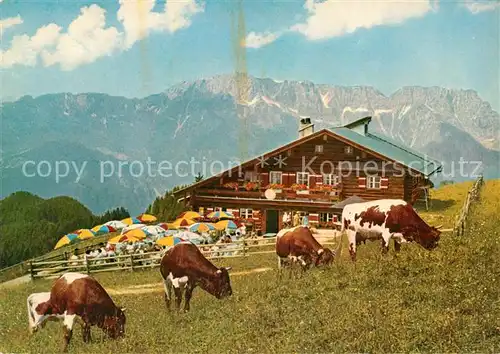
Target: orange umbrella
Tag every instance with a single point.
(138, 233)
(123, 238)
(146, 218)
(190, 215)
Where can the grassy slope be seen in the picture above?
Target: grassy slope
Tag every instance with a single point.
(441, 301)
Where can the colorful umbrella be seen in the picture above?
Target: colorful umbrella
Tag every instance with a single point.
(182, 223)
(130, 221)
(146, 218)
(154, 230)
(84, 233)
(163, 225)
(220, 215)
(201, 227)
(190, 215)
(115, 224)
(66, 240)
(103, 229)
(191, 237)
(123, 238)
(132, 227)
(170, 241)
(225, 224)
(137, 233)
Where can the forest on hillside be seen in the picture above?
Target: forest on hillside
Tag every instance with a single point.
(30, 226)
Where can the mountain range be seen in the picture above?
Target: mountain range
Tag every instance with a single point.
(222, 118)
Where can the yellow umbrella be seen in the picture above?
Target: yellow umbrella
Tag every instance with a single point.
(123, 238)
(66, 240)
(130, 221)
(201, 227)
(220, 215)
(190, 215)
(84, 233)
(169, 241)
(182, 222)
(226, 224)
(137, 233)
(146, 218)
(96, 228)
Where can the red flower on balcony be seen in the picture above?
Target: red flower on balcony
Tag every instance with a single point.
(275, 186)
(325, 188)
(299, 187)
(231, 185)
(252, 186)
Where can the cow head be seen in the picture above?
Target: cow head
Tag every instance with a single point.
(324, 256)
(114, 326)
(222, 283)
(428, 238)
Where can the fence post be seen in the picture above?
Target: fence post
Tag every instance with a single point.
(87, 264)
(132, 262)
(32, 273)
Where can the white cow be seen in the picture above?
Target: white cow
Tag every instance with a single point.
(35, 320)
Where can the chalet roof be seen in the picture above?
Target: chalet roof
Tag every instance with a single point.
(356, 133)
(388, 147)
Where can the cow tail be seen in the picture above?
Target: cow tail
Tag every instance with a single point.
(338, 250)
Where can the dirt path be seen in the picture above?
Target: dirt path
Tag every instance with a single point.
(158, 287)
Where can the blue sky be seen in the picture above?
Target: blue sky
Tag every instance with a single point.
(135, 49)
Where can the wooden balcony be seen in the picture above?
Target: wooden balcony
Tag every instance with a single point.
(284, 194)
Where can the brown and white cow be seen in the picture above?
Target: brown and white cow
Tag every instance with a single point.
(386, 219)
(37, 321)
(183, 267)
(76, 295)
(298, 245)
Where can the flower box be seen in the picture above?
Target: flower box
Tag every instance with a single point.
(302, 191)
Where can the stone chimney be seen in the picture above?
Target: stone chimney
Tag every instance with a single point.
(360, 126)
(306, 127)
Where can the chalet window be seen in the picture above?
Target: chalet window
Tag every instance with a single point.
(275, 177)
(318, 149)
(246, 213)
(325, 217)
(373, 182)
(331, 179)
(349, 150)
(251, 176)
(303, 178)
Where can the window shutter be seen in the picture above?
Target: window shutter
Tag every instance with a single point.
(361, 182)
(264, 178)
(384, 183)
(236, 213)
(292, 178)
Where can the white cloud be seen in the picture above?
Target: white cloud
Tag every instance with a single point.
(9, 22)
(332, 18)
(86, 40)
(257, 40)
(139, 19)
(87, 37)
(481, 6)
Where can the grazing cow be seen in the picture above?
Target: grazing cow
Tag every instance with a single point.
(385, 219)
(80, 295)
(35, 320)
(184, 267)
(298, 245)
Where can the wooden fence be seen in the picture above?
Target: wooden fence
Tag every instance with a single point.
(135, 261)
(472, 196)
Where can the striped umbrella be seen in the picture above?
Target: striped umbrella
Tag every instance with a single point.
(146, 218)
(170, 241)
(226, 224)
(137, 233)
(84, 233)
(201, 227)
(123, 238)
(182, 223)
(130, 221)
(220, 215)
(66, 240)
(103, 229)
(115, 224)
(163, 225)
(190, 215)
